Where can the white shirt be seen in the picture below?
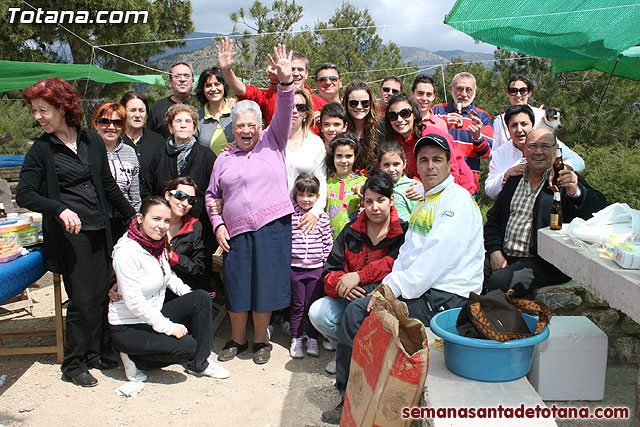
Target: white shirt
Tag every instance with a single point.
(308, 158)
(443, 247)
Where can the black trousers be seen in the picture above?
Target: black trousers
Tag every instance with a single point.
(540, 273)
(424, 308)
(149, 349)
(86, 275)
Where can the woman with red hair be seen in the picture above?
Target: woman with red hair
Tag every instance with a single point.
(66, 177)
(109, 120)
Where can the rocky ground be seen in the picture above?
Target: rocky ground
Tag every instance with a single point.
(284, 392)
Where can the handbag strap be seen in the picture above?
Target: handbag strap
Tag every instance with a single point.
(544, 314)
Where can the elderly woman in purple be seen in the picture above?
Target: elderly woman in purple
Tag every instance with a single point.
(254, 228)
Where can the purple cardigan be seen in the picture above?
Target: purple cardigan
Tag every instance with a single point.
(253, 184)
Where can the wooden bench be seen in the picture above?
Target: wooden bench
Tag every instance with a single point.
(216, 268)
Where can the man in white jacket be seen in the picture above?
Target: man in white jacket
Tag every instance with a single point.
(439, 264)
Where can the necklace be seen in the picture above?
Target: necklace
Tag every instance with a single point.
(71, 142)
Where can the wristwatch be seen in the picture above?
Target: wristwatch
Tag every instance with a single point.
(577, 194)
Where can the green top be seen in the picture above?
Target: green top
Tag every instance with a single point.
(403, 204)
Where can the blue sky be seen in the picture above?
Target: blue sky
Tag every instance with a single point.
(410, 23)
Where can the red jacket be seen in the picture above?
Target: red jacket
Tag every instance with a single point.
(353, 251)
(459, 168)
(266, 100)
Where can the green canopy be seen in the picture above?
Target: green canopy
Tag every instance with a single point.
(575, 34)
(18, 75)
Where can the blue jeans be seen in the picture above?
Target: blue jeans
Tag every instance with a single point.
(326, 316)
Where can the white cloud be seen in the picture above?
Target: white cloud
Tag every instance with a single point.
(410, 23)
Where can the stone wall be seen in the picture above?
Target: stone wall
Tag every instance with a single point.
(572, 299)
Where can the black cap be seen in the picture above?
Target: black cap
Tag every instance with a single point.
(432, 139)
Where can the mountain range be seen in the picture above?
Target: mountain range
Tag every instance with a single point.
(201, 53)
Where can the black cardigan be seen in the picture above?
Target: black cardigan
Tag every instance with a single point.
(590, 201)
(38, 190)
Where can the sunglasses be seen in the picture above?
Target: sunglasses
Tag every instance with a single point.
(353, 103)
(327, 78)
(115, 122)
(405, 113)
(516, 90)
(302, 108)
(182, 196)
(387, 89)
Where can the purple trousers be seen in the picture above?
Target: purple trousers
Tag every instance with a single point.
(306, 288)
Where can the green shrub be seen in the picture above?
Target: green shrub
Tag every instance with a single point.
(614, 170)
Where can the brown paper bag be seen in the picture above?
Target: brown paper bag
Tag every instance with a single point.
(388, 367)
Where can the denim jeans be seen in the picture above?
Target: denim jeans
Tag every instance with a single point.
(326, 316)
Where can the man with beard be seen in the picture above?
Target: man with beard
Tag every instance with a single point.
(470, 126)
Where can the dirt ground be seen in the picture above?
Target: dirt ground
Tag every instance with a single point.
(284, 392)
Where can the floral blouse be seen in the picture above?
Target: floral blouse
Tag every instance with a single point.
(343, 203)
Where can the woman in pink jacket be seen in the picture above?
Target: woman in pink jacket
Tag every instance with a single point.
(254, 228)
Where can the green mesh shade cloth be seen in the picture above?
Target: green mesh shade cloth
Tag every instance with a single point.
(575, 34)
(18, 75)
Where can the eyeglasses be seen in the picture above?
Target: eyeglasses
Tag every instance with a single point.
(521, 90)
(405, 113)
(208, 84)
(544, 147)
(302, 108)
(464, 89)
(331, 79)
(387, 89)
(181, 76)
(115, 122)
(182, 196)
(353, 103)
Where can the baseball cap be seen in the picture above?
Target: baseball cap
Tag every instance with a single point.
(432, 139)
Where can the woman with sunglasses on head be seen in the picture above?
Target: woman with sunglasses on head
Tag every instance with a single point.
(66, 177)
(214, 124)
(305, 154)
(109, 121)
(145, 141)
(188, 253)
(403, 124)
(183, 156)
(362, 120)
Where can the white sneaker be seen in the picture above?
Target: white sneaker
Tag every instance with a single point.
(131, 372)
(331, 366)
(312, 347)
(326, 344)
(295, 350)
(214, 370)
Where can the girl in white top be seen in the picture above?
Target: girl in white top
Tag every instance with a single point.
(148, 333)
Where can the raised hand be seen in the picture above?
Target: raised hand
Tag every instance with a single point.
(226, 55)
(281, 62)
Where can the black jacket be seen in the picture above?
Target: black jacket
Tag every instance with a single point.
(38, 190)
(189, 255)
(148, 145)
(590, 201)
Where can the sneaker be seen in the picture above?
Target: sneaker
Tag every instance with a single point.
(331, 366)
(326, 344)
(312, 347)
(295, 350)
(333, 416)
(214, 370)
(130, 370)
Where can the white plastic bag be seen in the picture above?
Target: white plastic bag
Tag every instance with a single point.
(617, 220)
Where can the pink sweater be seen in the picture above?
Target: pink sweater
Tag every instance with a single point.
(253, 184)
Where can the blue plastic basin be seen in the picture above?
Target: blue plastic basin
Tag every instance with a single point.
(485, 360)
